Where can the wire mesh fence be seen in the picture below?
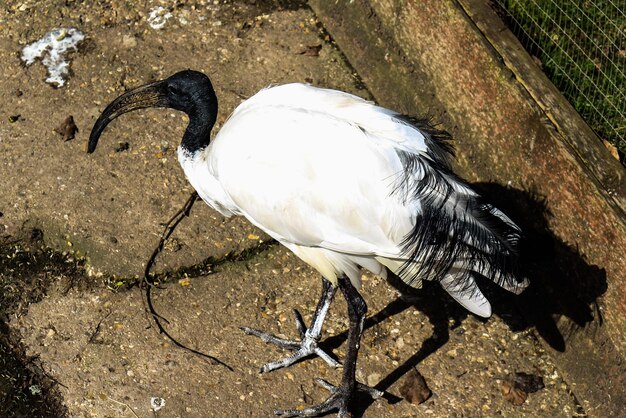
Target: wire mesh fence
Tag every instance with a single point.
(581, 46)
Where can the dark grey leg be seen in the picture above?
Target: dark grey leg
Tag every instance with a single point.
(340, 396)
(309, 337)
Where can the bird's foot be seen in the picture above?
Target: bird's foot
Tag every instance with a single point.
(307, 346)
(338, 400)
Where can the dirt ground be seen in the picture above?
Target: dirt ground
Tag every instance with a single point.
(84, 338)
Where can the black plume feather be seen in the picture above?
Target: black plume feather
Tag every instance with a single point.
(455, 228)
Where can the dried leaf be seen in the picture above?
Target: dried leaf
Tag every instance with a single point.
(512, 394)
(414, 388)
(516, 388)
(529, 383)
(311, 51)
(67, 129)
(612, 149)
(122, 146)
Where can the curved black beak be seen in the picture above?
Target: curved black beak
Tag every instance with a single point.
(149, 95)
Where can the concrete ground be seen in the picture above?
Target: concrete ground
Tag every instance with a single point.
(95, 350)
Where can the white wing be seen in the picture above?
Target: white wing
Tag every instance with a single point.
(319, 175)
(344, 183)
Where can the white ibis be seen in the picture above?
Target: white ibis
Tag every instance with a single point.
(345, 185)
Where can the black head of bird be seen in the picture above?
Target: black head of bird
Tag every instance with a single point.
(187, 91)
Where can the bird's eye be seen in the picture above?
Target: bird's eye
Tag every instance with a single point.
(173, 90)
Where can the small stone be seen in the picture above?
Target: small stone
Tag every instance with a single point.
(373, 379)
(400, 343)
(129, 41)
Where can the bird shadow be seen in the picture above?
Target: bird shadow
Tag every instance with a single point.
(561, 298)
(564, 287)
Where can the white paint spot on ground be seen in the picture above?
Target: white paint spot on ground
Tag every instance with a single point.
(157, 403)
(158, 16)
(52, 50)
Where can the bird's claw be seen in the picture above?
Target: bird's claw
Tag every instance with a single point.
(308, 345)
(338, 400)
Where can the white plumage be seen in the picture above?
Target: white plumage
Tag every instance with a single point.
(344, 184)
(316, 169)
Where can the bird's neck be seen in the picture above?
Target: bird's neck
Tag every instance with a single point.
(198, 134)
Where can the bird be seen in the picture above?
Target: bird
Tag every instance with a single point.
(346, 185)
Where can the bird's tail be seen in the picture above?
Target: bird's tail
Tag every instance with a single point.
(491, 251)
(457, 242)
(457, 235)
